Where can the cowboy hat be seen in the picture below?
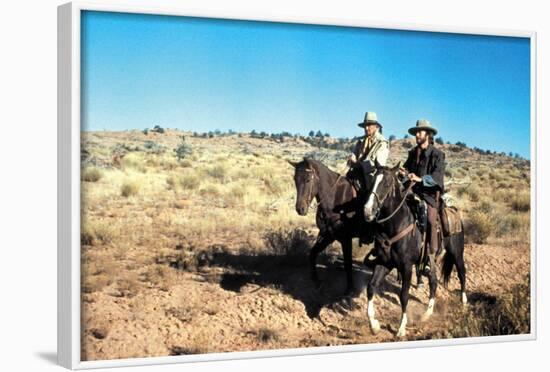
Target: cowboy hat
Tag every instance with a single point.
(422, 124)
(370, 118)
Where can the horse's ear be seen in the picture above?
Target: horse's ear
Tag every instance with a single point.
(293, 163)
(396, 167)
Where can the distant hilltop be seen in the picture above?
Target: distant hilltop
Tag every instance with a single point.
(325, 140)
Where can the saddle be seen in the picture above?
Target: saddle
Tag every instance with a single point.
(451, 220)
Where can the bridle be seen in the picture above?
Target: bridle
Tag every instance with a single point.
(381, 201)
(310, 195)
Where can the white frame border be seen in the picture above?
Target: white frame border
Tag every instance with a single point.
(68, 193)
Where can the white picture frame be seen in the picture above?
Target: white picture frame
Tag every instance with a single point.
(69, 187)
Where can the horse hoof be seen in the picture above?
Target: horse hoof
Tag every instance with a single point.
(420, 286)
(425, 316)
(375, 326)
(401, 333)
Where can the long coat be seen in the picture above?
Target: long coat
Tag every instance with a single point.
(428, 164)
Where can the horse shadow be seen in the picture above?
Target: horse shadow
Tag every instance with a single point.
(291, 275)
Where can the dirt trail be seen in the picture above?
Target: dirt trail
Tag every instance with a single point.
(252, 305)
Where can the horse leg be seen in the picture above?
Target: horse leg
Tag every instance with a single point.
(432, 278)
(320, 245)
(348, 265)
(461, 269)
(404, 298)
(379, 274)
(419, 282)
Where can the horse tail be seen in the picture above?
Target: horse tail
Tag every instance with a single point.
(454, 248)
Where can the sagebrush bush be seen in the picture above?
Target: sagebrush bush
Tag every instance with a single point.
(97, 232)
(189, 181)
(129, 188)
(507, 314)
(512, 224)
(292, 245)
(521, 202)
(218, 172)
(91, 175)
(480, 225)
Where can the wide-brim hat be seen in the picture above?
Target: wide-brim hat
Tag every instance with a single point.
(422, 124)
(370, 118)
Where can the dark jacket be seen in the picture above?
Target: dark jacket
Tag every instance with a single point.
(430, 166)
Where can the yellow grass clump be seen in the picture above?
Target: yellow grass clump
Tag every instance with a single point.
(91, 174)
(129, 188)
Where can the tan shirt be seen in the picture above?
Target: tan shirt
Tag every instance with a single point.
(371, 149)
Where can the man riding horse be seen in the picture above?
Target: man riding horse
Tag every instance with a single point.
(371, 148)
(425, 165)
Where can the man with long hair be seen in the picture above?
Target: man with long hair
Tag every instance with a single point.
(425, 166)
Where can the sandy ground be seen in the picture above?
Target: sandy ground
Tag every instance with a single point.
(252, 305)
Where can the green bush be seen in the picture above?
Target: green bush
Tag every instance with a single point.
(183, 149)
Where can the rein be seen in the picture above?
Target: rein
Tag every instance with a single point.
(398, 207)
(315, 176)
(387, 243)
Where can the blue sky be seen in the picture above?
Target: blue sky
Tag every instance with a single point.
(201, 74)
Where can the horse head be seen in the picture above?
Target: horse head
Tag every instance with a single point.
(307, 184)
(385, 179)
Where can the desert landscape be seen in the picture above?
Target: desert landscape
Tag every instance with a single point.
(191, 244)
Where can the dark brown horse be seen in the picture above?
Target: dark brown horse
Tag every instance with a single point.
(400, 245)
(339, 211)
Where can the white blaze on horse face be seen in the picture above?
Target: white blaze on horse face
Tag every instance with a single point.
(369, 213)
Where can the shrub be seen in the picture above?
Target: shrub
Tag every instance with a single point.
(95, 232)
(183, 149)
(479, 227)
(157, 129)
(292, 246)
(91, 175)
(129, 188)
(153, 147)
(508, 314)
(512, 223)
(189, 181)
(521, 202)
(217, 171)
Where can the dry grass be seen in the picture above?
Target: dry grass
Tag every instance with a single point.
(129, 188)
(479, 226)
(156, 224)
(507, 314)
(91, 174)
(521, 201)
(97, 232)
